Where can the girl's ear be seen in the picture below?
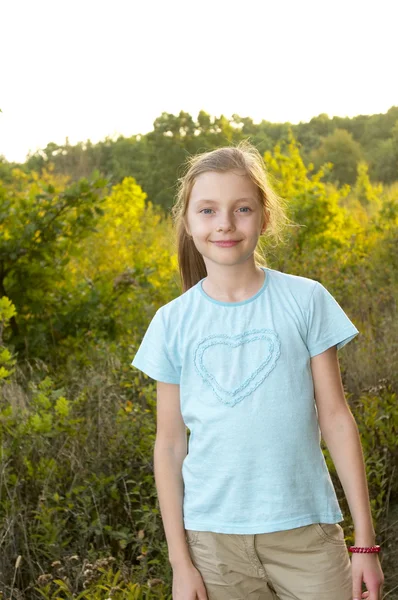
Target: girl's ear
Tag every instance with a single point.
(186, 228)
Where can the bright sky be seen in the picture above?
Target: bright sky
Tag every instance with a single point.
(91, 68)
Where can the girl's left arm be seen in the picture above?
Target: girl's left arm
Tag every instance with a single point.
(340, 433)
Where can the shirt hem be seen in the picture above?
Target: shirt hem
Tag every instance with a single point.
(153, 374)
(262, 528)
(339, 339)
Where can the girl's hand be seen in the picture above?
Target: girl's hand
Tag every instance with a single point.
(366, 568)
(188, 584)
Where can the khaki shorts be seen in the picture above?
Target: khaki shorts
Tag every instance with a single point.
(305, 563)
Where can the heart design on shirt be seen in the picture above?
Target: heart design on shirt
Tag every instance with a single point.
(258, 374)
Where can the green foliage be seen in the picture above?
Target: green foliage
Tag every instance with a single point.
(78, 504)
(376, 412)
(367, 194)
(343, 152)
(100, 581)
(77, 478)
(322, 221)
(41, 222)
(7, 311)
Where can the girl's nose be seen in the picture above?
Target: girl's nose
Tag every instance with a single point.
(226, 224)
(224, 227)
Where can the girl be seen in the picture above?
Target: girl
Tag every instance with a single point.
(246, 358)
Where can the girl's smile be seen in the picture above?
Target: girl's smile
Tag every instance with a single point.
(227, 243)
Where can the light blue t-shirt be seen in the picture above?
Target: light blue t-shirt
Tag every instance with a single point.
(254, 462)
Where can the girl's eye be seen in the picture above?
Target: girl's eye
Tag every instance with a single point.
(244, 207)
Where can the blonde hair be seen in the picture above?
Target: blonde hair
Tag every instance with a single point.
(244, 157)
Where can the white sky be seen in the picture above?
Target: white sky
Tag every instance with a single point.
(86, 69)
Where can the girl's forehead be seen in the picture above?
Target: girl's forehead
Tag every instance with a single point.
(213, 185)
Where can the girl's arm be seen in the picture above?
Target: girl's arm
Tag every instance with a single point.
(340, 433)
(169, 453)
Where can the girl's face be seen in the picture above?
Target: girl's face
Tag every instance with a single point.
(224, 207)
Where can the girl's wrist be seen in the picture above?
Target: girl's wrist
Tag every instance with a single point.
(364, 537)
(366, 541)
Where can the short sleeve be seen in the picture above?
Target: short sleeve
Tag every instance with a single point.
(327, 323)
(152, 356)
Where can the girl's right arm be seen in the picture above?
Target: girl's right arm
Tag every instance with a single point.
(169, 453)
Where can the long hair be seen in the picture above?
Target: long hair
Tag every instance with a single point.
(243, 157)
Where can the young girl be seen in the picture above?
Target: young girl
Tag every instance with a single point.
(246, 358)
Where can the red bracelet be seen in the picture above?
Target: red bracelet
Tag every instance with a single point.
(360, 549)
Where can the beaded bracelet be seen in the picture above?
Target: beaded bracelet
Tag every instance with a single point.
(360, 549)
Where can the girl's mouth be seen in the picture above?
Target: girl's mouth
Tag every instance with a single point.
(227, 244)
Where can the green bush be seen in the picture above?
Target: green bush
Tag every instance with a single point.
(77, 479)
